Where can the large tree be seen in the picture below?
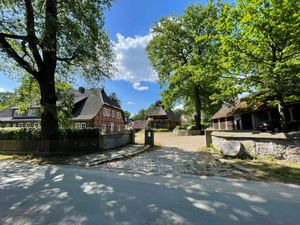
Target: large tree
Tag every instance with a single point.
(50, 38)
(184, 53)
(262, 46)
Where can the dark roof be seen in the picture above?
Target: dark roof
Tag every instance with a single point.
(87, 104)
(5, 115)
(139, 124)
(108, 101)
(158, 111)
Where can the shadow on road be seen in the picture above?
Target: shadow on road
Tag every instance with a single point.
(47, 194)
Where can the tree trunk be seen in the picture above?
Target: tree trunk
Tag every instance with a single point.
(198, 108)
(48, 107)
(46, 76)
(281, 111)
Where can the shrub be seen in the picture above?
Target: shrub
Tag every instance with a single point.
(27, 133)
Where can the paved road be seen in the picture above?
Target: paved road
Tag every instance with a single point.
(71, 195)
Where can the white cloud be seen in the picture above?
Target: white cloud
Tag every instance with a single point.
(130, 103)
(139, 87)
(131, 60)
(2, 90)
(179, 106)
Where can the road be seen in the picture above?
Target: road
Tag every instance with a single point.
(32, 194)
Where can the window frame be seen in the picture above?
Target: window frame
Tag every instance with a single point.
(103, 128)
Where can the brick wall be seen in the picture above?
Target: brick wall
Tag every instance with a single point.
(101, 119)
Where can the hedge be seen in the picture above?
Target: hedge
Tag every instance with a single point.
(35, 133)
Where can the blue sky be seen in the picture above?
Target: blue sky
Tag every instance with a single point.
(128, 23)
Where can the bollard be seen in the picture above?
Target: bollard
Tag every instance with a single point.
(149, 137)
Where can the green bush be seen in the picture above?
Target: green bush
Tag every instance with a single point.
(35, 133)
(161, 130)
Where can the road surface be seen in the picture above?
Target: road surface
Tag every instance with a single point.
(32, 194)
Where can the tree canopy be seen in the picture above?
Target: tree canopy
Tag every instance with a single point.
(184, 53)
(50, 39)
(262, 46)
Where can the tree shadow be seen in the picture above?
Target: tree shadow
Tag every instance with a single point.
(32, 194)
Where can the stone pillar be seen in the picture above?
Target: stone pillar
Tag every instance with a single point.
(219, 124)
(226, 125)
(132, 137)
(149, 137)
(208, 139)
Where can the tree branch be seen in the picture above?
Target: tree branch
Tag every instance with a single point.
(13, 36)
(13, 54)
(66, 59)
(32, 39)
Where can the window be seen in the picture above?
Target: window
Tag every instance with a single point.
(28, 124)
(7, 125)
(117, 115)
(103, 128)
(106, 112)
(77, 125)
(83, 125)
(113, 114)
(21, 125)
(112, 127)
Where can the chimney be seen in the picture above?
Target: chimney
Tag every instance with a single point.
(81, 90)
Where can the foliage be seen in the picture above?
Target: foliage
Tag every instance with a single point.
(28, 95)
(5, 99)
(127, 115)
(159, 130)
(141, 115)
(184, 53)
(113, 96)
(261, 49)
(51, 40)
(35, 133)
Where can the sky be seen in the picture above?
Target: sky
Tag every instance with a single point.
(128, 23)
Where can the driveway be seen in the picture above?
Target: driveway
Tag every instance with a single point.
(32, 194)
(177, 155)
(167, 139)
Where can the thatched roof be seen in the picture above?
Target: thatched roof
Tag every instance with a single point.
(159, 111)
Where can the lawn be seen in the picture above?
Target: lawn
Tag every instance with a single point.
(272, 170)
(2, 157)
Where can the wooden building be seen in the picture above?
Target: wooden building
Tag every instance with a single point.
(158, 117)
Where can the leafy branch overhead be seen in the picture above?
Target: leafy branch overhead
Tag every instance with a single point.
(52, 39)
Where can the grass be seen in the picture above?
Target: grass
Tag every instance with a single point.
(3, 157)
(272, 170)
(269, 169)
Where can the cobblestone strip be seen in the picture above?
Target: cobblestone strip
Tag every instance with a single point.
(108, 156)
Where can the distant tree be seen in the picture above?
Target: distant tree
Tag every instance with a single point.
(113, 96)
(49, 39)
(184, 53)
(5, 99)
(141, 115)
(127, 115)
(28, 94)
(262, 47)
